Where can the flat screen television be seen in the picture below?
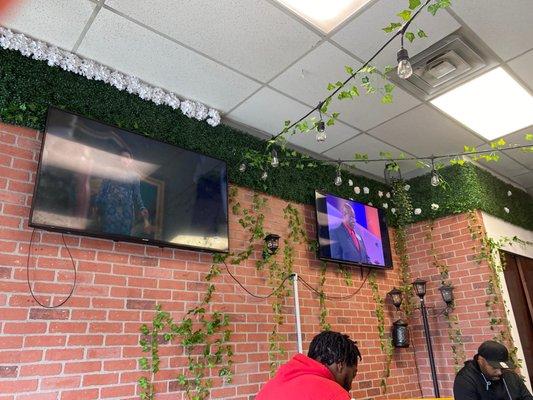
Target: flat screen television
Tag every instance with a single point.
(350, 232)
(99, 180)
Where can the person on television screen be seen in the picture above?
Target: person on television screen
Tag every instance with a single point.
(346, 243)
(327, 372)
(119, 196)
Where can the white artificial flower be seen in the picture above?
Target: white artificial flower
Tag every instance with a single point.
(509, 193)
(366, 190)
(407, 187)
(132, 84)
(357, 190)
(385, 205)
(434, 207)
(39, 50)
(201, 112)
(418, 211)
(188, 108)
(117, 80)
(145, 92)
(214, 117)
(70, 62)
(87, 69)
(506, 210)
(172, 100)
(393, 210)
(380, 193)
(370, 203)
(158, 95)
(54, 56)
(350, 182)
(387, 195)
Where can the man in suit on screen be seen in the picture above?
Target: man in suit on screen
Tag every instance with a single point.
(346, 243)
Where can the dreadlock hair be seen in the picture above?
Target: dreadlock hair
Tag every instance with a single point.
(333, 347)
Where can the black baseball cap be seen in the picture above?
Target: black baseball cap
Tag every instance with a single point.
(496, 354)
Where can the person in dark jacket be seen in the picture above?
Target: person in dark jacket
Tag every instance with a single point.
(326, 373)
(490, 376)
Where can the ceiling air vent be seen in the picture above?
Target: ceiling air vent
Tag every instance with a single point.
(444, 64)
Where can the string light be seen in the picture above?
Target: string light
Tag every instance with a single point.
(242, 167)
(435, 179)
(264, 176)
(275, 159)
(405, 70)
(320, 126)
(338, 178)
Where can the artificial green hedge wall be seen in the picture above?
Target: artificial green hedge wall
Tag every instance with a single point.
(472, 188)
(28, 87)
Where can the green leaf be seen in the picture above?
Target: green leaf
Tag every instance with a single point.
(528, 136)
(468, 149)
(410, 36)
(421, 34)
(393, 26)
(405, 15)
(386, 99)
(388, 69)
(496, 144)
(348, 69)
(433, 8)
(422, 164)
(414, 4)
(365, 79)
(354, 91)
(389, 87)
(331, 86)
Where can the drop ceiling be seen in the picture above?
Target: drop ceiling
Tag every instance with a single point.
(260, 64)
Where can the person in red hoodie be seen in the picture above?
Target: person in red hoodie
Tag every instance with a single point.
(326, 373)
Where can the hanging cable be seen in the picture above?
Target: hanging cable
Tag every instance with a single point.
(347, 297)
(28, 273)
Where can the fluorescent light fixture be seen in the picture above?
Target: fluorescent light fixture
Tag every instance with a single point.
(324, 14)
(493, 104)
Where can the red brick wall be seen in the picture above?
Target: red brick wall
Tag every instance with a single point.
(88, 348)
(453, 246)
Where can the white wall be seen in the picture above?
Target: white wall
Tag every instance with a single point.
(497, 229)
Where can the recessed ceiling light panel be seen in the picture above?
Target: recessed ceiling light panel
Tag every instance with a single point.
(493, 104)
(324, 14)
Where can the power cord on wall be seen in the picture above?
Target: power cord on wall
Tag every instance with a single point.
(307, 285)
(28, 274)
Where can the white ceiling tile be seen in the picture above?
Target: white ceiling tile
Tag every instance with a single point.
(367, 111)
(363, 36)
(59, 22)
(254, 37)
(525, 180)
(365, 144)
(308, 79)
(522, 67)
(336, 134)
(518, 138)
(505, 166)
(267, 110)
(505, 26)
(115, 41)
(424, 131)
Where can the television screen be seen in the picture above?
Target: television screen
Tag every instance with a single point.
(351, 233)
(99, 180)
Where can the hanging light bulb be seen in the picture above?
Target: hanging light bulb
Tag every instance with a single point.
(275, 159)
(338, 178)
(435, 179)
(242, 167)
(320, 126)
(404, 66)
(264, 176)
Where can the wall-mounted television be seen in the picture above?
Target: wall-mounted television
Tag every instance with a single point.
(350, 232)
(99, 180)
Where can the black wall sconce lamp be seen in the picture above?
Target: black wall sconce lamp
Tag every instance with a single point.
(271, 245)
(400, 332)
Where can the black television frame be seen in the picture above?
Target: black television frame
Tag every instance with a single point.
(120, 238)
(383, 226)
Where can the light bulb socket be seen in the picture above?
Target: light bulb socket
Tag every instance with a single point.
(320, 126)
(402, 55)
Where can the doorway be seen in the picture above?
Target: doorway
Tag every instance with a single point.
(518, 275)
